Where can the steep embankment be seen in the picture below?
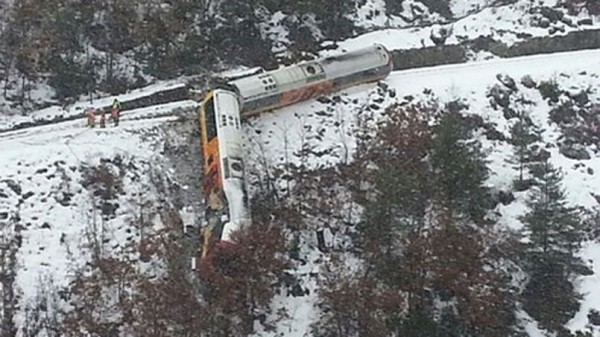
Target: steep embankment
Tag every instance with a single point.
(67, 186)
(327, 128)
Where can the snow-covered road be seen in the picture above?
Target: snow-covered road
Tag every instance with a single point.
(478, 72)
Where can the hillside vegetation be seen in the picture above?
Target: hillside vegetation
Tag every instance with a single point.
(61, 49)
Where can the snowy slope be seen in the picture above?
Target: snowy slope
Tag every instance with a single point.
(44, 186)
(508, 23)
(274, 137)
(48, 164)
(77, 108)
(504, 21)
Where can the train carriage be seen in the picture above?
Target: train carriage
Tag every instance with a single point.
(227, 207)
(302, 81)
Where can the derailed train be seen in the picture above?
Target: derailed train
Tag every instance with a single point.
(227, 205)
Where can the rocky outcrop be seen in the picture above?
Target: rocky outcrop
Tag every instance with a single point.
(574, 151)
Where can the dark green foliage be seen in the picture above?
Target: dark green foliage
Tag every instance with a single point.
(302, 39)
(459, 168)
(393, 7)
(441, 7)
(331, 16)
(401, 182)
(423, 218)
(59, 38)
(70, 79)
(549, 297)
(525, 136)
(549, 90)
(194, 54)
(421, 325)
(66, 28)
(240, 42)
(550, 260)
(115, 32)
(553, 226)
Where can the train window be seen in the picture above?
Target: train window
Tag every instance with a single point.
(311, 70)
(236, 166)
(211, 123)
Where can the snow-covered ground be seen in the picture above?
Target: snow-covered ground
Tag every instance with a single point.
(276, 136)
(44, 188)
(55, 111)
(48, 164)
(507, 22)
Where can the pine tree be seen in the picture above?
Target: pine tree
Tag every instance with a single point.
(10, 242)
(356, 304)
(458, 258)
(524, 136)
(418, 167)
(459, 168)
(554, 235)
(332, 16)
(402, 186)
(238, 33)
(552, 225)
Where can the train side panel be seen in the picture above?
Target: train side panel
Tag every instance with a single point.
(227, 208)
(232, 163)
(299, 82)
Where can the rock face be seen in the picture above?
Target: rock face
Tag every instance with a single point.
(528, 82)
(508, 81)
(574, 151)
(580, 97)
(594, 317)
(552, 14)
(499, 96)
(439, 35)
(429, 56)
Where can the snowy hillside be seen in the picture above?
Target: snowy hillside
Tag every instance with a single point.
(509, 22)
(65, 186)
(82, 50)
(329, 126)
(53, 178)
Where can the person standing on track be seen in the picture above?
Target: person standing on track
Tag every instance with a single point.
(116, 111)
(102, 118)
(91, 117)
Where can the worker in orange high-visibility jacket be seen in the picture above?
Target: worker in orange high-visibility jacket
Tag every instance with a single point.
(91, 117)
(116, 111)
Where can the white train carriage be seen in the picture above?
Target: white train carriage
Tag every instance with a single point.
(299, 82)
(227, 207)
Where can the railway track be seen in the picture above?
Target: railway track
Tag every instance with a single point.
(181, 92)
(160, 97)
(161, 111)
